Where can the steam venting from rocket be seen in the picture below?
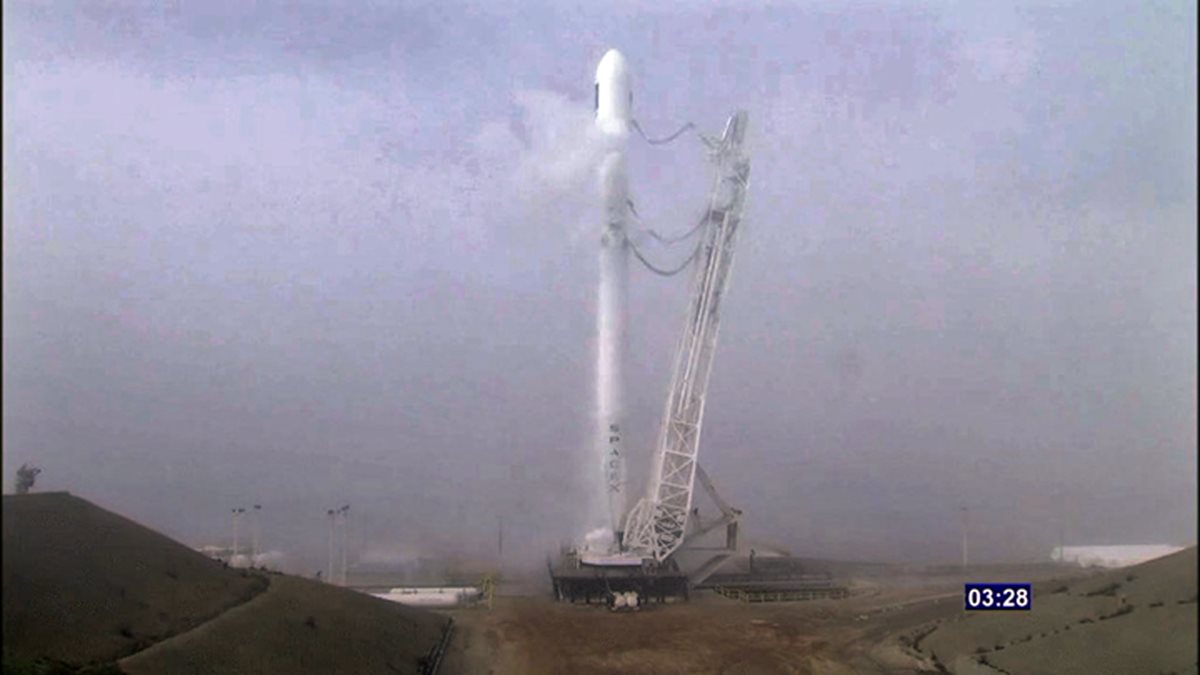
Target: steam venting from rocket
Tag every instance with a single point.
(572, 171)
(555, 151)
(553, 175)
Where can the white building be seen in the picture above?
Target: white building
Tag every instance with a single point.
(433, 597)
(1111, 556)
(269, 559)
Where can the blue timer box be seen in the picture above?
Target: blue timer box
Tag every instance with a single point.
(998, 597)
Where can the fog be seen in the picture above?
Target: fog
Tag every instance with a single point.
(302, 256)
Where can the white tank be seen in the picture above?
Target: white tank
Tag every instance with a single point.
(431, 597)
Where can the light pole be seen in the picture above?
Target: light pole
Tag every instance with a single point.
(237, 513)
(1062, 526)
(964, 537)
(257, 532)
(331, 513)
(345, 511)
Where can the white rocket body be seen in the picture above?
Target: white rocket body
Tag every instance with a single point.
(614, 103)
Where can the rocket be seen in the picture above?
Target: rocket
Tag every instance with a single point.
(614, 105)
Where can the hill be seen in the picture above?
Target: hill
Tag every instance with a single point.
(1136, 619)
(300, 626)
(83, 586)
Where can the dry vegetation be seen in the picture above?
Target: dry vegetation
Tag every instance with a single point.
(84, 588)
(1138, 620)
(300, 626)
(710, 634)
(1141, 619)
(84, 585)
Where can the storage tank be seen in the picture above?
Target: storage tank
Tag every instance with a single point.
(432, 597)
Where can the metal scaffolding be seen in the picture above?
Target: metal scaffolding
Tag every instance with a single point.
(657, 525)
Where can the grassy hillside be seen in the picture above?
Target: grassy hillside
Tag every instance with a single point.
(1137, 619)
(86, 586)
(82, 584)
(300, 626)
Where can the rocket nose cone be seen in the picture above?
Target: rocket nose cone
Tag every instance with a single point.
(611, 64)
(614, 93)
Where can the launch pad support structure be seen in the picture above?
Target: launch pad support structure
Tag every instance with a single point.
(658, 524)
(576, 581)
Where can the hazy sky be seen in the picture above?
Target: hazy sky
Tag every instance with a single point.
(303, 255)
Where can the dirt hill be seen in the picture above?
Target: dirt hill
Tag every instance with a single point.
(83, 585)
(300, 626)
(1139, 619)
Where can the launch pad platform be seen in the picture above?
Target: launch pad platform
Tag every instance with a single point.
(778, 578)
(576, 581)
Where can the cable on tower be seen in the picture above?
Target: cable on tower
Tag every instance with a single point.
(685, 235)
(662, 272)
(660, 238)
(660, 141)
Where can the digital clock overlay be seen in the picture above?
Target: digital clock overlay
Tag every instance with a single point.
(998, 597)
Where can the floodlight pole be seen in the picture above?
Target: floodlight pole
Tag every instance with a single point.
(1062, 527)
(965, 511)
(257, 532)
(345, 511)
(331, 513)
(237, 512)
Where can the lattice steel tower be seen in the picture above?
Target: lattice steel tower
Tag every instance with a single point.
(656, 526)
